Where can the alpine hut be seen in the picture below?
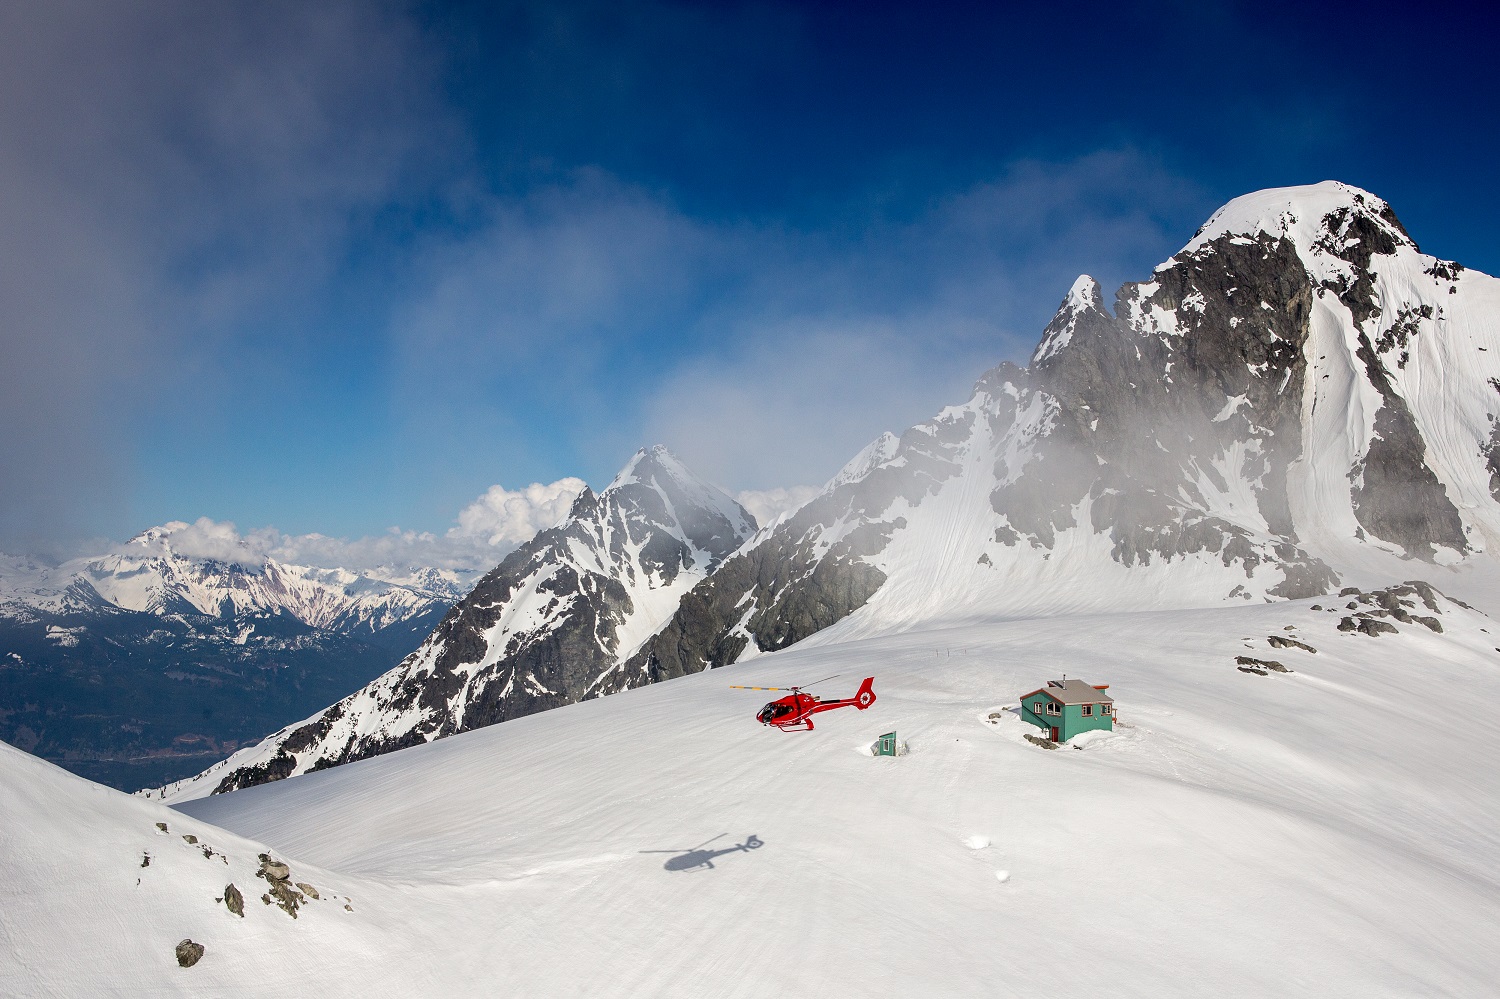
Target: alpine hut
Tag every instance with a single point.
(1066, 707)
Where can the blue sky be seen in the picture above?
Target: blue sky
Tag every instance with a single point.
(335, 267)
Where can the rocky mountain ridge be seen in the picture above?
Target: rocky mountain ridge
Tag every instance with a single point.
(550, 625)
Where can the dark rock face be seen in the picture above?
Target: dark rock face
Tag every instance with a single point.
(276, 768)
(1140, 412)
(702, 633)
(789, 586)
(234, 901)
(1396, 495)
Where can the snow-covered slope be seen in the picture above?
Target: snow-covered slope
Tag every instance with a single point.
(99, 889)
(548, 627)
(1299, 398)
(1243, 834)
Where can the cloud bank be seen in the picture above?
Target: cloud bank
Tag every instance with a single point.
(488, 529)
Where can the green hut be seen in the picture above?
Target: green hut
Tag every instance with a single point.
(1066, 707)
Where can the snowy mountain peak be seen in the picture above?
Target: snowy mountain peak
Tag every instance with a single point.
(1085, 294)
(1083, 298)
(650, 463)
(553, 624)
(658, 486)
(153, 535)
(1323, 216)
(874, 454)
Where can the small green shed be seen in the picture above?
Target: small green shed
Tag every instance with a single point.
(1066, 707)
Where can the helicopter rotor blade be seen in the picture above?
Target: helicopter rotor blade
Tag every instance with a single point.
(735, 686)
(689, 850)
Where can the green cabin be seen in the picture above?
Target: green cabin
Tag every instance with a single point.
(1066, 707)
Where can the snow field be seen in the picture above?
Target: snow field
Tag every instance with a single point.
(1305, 833)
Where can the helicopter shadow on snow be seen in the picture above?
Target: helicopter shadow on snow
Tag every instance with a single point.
(701, 858)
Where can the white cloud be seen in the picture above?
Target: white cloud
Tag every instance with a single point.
(502, 515)
(488, 529)
(765, 505)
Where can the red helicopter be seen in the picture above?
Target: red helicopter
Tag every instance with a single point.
(794, 712)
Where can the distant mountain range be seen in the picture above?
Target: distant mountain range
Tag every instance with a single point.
(1298, 399)
(143, 664)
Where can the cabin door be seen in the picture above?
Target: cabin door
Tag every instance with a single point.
(1054, 733)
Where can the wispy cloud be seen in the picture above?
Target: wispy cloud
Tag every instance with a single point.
(764, 355)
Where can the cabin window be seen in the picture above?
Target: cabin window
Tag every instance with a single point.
(1104, 709)
(1037, 707)
(1053, 708)
(1088, 711)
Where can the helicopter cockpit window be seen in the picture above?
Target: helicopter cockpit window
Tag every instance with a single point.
(774, 711)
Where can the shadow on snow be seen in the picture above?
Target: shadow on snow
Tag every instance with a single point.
(699, 858)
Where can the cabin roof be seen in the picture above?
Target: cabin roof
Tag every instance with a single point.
(1073, 692)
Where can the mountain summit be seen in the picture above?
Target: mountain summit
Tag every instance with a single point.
(551, 625)
(1298, 398)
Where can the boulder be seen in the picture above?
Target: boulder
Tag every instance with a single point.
(189, 953)
(1278, 642)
